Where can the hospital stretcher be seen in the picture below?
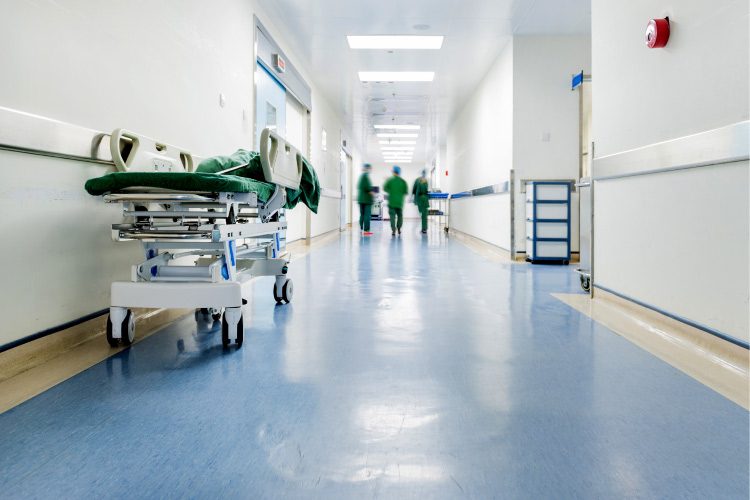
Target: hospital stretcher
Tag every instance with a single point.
(228, 228)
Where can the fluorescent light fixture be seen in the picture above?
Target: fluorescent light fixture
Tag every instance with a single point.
(396, 76)
(399, 135)
(397, 148)
(390, 42)
(409, 155)
(397, 155)
(393, 143)
(399, 127)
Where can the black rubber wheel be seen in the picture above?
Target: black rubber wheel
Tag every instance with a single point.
(585, 283)
(225, 341)
(287, 291)
(125, 329)
(277, 295)
(111, 340)
(240, 333)
(216, 317)
(224, 332)
(204, 310)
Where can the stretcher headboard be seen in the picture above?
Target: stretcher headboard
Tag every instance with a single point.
(282, 163)
(135, 153)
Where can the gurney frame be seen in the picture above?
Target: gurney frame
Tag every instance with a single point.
(227, 238)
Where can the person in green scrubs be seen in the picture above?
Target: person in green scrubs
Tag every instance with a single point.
(365, 199)
(397, 189)
(421, 198)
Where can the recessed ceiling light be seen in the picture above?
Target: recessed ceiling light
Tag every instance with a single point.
(396, 76)
(398, 135)
(398, 142)
(399, 127)
(388, 42)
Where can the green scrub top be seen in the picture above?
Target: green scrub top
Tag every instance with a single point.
(421, 198)
(397, 189)
(365, 188)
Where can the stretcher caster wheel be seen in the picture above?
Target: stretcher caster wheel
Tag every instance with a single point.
(127, 330)
(204, 310)
(585, 283)
(110, 339)
(287, 290)
(225, 340)
(215, 313)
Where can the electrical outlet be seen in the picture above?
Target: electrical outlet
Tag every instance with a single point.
(222, 100)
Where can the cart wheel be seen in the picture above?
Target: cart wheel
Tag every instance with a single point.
(225, 332)
(240, 333)
(111, 340)
(128, 328)
(446, 230)
(287, 291)
(276, 295)
(215, 314)
(585, 283)
(204, 310)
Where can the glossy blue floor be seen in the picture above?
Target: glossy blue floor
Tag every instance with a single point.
(407, 367)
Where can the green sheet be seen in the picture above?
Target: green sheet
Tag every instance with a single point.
(205, 179)
(308, 193)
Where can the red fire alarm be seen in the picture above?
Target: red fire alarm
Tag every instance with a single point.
(657, 33)
(446, 172)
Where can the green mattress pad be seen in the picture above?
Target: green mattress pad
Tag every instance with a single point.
(206, 179)
(178, 181)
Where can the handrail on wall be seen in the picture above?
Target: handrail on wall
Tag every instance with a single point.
(33, 134)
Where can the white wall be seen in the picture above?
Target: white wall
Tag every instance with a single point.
(156, 68)
(654, 233)
(543, 103)
(480, 141)
(668, 241)
(494, 225)
(479, 153)
(526, 93)
(698, 82)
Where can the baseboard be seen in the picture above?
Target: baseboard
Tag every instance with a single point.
(33, 353)
(494, 252)
(726, 350)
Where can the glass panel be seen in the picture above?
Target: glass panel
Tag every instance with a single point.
(270, 116)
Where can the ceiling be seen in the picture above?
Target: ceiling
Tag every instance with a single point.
(476, 31)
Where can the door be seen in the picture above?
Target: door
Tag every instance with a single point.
(346, 160)
(270, 104)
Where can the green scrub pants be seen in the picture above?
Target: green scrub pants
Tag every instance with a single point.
(397, 218)
(423, 212)
(365, 212)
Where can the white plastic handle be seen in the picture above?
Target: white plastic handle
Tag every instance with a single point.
(147, 155)
(282, 163)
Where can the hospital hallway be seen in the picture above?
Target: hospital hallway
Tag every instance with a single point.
(404, 367)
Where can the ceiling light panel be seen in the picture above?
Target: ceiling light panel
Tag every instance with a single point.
(395, 143)
(398, 127)
(398, 135)
(396, 76)
(398, 42)
(397, 148)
